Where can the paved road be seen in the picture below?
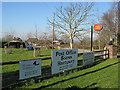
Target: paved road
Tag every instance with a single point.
(96, 53)
(82, 51)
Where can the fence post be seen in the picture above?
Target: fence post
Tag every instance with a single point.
(38, 52)
(34, 52)
(8, 50)
(105, 53)
(21, 47)
(108, 53)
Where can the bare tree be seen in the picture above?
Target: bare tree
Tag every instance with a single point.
(68, 19)
(8, 36)
(29, 35)
(115, 6)
(109, 20)
(36, 32)
(98, 32)
(65, 39)
(45, 37)
(33, 34)
(110, 24)
(118, 36)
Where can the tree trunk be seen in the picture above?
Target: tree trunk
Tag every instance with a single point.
(8, 43)
(71, 43)
(110, 38)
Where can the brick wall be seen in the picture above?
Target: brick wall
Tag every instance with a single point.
(112, 50)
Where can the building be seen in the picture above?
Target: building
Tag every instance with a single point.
(17, 39)
(42, 42)
(58, 42)
(32, 40)
(16, 42)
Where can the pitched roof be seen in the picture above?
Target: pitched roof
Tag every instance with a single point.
(16, 39)
(32, 40)
(43, 41)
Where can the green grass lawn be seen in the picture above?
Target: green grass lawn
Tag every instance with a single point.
(18, 54)
(102, 75)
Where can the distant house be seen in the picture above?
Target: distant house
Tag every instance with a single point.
(16, 42)
(41, 42)
(58, 42)
(17, 39)
(32, 40)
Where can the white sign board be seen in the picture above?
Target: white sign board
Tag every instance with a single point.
(65, 59)
(88, 58)
(29, 69)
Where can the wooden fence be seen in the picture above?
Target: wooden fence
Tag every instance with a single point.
(46, 71)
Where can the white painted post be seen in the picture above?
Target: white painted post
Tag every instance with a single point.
(36, 51)
(104, 53)
(34, 54)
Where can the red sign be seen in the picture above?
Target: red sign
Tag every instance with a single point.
(98, 27)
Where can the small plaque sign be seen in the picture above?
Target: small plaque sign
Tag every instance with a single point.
(88, 58)
(29, 69)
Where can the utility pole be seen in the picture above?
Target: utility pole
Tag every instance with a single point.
(53, 31)
(52, 36)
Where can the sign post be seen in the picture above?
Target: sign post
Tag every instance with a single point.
(97, 27)
(91, 37)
